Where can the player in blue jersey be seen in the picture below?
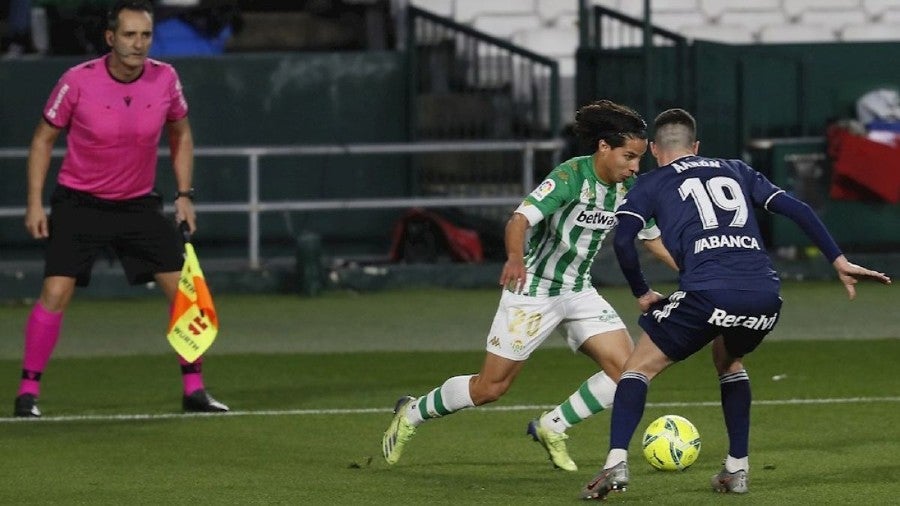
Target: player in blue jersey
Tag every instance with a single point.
(728, 289)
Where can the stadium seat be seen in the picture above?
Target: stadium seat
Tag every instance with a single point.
(439, 7)
(504, 25)
(566, 66)
(467, 10)
(550, 11)
(568, 21)
(791, 33)
(728, 34)
(833, 19)
(553, 42)
(633, 9)
(636, 8)
(870, 32)
(794, 8)
(876, 8)
(675, 20)
(714, 8)
(752, 20)
(890, 15)
(674, 5)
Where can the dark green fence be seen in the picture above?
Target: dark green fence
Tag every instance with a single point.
(742, 93)
(247, 100)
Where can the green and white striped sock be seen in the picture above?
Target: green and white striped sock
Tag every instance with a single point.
(594, 395)
(448, 398)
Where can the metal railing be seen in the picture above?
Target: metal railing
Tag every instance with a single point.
(253, 206)
(467, 84)
(613, 56)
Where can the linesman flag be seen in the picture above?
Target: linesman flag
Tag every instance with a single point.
(193, 325)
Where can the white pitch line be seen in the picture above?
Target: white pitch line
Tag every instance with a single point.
(360, 411)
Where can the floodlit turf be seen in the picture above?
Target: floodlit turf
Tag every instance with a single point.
(307, 426)
(421, 319)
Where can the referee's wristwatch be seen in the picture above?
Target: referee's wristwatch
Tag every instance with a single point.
(189, 193)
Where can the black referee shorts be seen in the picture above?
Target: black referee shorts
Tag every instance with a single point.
(82, 226)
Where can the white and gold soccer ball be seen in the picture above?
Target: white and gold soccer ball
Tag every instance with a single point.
(671, 443)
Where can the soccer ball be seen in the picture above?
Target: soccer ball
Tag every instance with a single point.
(671, 443)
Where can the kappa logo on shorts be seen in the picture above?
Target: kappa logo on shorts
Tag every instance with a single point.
(494, 341)
(674, 301)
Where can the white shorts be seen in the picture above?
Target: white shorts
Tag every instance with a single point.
(522, 322)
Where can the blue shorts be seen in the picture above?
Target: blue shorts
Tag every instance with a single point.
(685, 322)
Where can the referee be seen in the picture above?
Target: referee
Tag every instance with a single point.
(114, 109)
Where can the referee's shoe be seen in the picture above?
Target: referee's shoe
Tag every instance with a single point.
(199, 401)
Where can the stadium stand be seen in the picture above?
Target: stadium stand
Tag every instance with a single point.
(875, 8)
(311, 25)
(549, 27)
(550, 10)
(674, 20)
(636, 9)
(833, 19)
(505, 25)
(565, 20)
(467, 10)
(557, 43)
(890, 15)
(727, 21)
(794, 8)
(715, 8)
(439, 7)
(727, 33)
(791, 32)
(871, 32)
(750, 20)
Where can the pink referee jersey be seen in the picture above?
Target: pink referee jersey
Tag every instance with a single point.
(113, 127)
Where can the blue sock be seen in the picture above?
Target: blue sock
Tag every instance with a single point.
(735, 388)
(628, 408)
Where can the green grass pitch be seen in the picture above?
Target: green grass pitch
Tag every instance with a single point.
(312, 380)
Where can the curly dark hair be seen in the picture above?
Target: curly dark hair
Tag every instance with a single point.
(608, 121)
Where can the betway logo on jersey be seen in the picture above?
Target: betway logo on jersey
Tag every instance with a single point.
(691, 164)
(595, 220)
(721, 318)
(726, 241)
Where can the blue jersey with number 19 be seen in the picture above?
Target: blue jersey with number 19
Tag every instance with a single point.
(704, 209)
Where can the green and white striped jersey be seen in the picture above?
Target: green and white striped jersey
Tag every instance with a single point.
(570, 212)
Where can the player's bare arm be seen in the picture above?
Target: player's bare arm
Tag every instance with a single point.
(656, 247)
(38, 165)
(513, 274)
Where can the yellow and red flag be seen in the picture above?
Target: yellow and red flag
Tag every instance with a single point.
(193, 325)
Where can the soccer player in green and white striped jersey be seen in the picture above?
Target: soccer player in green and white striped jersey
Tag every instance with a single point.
(548, 287)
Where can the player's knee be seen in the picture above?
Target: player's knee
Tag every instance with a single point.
(55, 296)
(54, 301)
